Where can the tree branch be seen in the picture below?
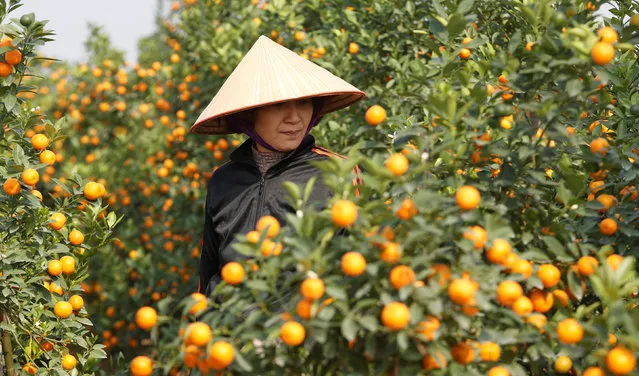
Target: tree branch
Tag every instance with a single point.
(6, 344)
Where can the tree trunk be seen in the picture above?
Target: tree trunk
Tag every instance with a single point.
(6, 351)
(1, 361)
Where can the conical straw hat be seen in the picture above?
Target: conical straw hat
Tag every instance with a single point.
(271, 73)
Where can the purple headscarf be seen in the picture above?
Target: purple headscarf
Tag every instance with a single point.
(240, 122)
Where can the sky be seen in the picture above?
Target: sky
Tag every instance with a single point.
(125, 21)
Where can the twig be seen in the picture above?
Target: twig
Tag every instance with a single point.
(1, 361)
(6, 344)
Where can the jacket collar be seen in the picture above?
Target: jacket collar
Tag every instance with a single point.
(244, 154)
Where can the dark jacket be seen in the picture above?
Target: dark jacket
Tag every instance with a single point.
(238, 195)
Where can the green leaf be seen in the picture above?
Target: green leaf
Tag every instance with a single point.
(9, 101)
(624, 270)
(515, 41)
(164, 304)
(540, 177)
(369, 322)
(84, 321)
(402, 340)
(18, 155)
(293, 190)
(98, 352)
(58, 248)
(244, 249)
(526, 237)
(362, 291)
(465, 6)
(622, 128)
(241, 361)
(9, 29)
(556, 248)
(575, 285)
(435, 306)
(308, 189)
(350, 16)
(81, 342)
(326, 314)
(349, 328)
(61, 123)
(439, 8)
(410, 7)
(336, 292)
(111, 217)
(574, 87)
(257, 284)
(564, 194)
(456, 25)
(598, 287)
(33, 202)
(574, 182)
(528, 14)
(463, 321)
(376, 169)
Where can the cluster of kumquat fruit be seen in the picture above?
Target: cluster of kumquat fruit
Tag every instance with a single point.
(135, 119)
(11, 57)
(46, 242)
(492, 230)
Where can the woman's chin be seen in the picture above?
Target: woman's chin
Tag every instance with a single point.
(287, 145)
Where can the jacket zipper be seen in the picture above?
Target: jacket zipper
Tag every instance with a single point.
(260, 198)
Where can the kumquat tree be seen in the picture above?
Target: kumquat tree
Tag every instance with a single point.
(50, 227)
(493, 229)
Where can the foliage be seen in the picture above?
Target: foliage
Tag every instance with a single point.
(35, 337)
(501, 95)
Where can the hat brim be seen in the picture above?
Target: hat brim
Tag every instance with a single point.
(219, 126)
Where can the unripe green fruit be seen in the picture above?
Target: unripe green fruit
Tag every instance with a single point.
(503, 109)
(27, 19)
(559, 20)
(565, 163)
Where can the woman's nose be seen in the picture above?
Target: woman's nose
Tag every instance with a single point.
(292, 112)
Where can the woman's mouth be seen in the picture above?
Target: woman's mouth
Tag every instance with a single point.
(292, 133)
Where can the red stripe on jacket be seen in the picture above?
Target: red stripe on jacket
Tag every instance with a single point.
(358, 173)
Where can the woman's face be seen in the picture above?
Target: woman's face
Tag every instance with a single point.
(283, 125)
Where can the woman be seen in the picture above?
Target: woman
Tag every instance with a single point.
(275, 97)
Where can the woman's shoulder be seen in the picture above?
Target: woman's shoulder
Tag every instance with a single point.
(222, 174)
(224, 169)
